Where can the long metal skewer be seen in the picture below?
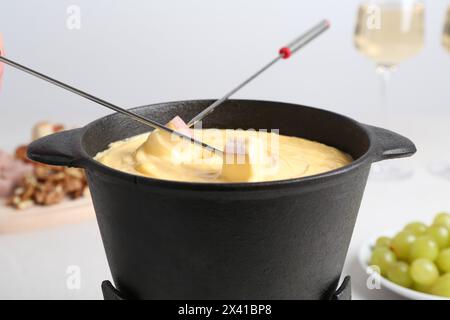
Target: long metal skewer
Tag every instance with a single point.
(109, 105)
(284, 53)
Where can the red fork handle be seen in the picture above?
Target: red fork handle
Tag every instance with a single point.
(304, 39)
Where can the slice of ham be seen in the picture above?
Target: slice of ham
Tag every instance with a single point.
(6, 183)
(5, 161)
(18, 170)
(179, 125)
(12, 172)
(6, 187)
(161, 143)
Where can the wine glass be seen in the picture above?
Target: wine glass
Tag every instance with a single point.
(389, 32)
(442, 167)
(446, 33)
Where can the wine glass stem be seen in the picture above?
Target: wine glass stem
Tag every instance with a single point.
(385, 77)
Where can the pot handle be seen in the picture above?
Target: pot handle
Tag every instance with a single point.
(59, 149)
(391, 145)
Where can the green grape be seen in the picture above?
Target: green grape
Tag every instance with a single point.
(440, 234)
(399, 274)
(417, 228)
(383, 258)
(383, 242)
(423, 247)
(424, 272)
(442, 219)
(401, 244)
(442, 286)
(422, 288)
(443, 260)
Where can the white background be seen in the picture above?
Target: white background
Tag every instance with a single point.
(141, 52)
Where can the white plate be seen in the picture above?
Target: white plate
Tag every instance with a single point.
(364, 258)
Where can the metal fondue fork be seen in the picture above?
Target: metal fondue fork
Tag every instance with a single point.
(284, 53)
(107, 104)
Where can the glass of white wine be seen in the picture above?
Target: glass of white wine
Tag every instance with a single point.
(389, 32)
(442, 168)
(446, 33)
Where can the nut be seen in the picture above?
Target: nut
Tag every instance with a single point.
(24, 204)
(47, 184)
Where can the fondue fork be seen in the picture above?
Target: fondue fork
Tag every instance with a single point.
(284, 53)
(109, 105)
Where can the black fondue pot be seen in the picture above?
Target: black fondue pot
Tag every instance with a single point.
(268, 240)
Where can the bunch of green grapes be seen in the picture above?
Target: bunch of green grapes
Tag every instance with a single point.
(418, 257)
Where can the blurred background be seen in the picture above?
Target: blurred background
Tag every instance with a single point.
(141, 52)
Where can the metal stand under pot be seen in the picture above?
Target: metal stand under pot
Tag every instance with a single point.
(344, 292)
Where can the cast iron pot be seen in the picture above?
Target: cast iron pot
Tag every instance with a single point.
(270, 240)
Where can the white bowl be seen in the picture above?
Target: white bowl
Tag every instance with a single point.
(364, 258)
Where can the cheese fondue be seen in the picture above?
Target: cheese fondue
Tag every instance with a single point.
(249, 156)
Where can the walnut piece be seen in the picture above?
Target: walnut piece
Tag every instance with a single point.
(47, 184)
